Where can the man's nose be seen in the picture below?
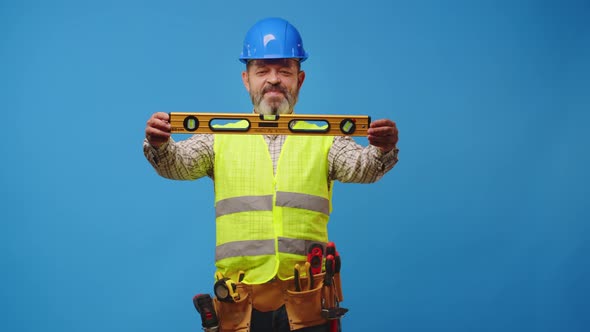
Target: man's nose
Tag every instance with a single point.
(273, 77)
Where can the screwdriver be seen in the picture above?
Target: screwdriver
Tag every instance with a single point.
(331, 250)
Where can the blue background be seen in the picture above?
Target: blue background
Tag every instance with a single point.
(482, 226)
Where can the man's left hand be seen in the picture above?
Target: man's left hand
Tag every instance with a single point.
(383, 134)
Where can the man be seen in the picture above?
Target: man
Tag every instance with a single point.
(272, 192)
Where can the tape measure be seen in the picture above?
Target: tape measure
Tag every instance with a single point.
(225, 289)
(283, 124)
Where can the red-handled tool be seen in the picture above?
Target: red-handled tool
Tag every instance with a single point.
(315, 255)
(328, 282)
(331, 250)
(204, 305)
(331, 307)
(330, 265)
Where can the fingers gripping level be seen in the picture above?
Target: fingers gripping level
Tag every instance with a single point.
(284, 124)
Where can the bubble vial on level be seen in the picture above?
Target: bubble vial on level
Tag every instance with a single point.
(191, 123)
(347, 126)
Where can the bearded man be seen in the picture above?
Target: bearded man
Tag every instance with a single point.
(272, 192)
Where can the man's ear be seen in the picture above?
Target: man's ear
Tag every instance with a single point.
(245, 80)
(301, 76)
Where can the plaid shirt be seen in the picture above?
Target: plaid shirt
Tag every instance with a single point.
(194, 158)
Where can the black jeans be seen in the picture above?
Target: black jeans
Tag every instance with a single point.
(277, 321)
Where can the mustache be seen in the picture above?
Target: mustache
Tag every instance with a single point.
(275, 88)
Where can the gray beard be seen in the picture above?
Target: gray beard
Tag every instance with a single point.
(262, 106)
(265, 109)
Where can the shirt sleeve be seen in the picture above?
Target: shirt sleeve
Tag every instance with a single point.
(351, 162)
(189, 159)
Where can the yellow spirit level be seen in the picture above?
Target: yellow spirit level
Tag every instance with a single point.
(283, 124)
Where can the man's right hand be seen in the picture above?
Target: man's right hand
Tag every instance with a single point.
(157, 130)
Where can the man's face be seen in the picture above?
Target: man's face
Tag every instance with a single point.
(273, 85)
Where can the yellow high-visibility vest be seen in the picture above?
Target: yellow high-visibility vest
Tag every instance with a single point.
(265, 223)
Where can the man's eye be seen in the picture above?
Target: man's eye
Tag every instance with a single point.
(285, 72)
(261, 71)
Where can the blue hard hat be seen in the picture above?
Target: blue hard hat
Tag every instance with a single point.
(272, 38)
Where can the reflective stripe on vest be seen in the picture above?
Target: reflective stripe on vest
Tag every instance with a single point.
(243, 204)
(303, 201)
(263, 247)
(264, 203)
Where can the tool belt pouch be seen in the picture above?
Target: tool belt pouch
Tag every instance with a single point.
(304, 308)
(234, 316)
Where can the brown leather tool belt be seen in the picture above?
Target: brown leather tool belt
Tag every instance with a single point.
(304, 308)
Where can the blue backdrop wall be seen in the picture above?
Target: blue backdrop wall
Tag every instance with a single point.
(482, 226)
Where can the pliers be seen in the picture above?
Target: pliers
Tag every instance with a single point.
(298, 272)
